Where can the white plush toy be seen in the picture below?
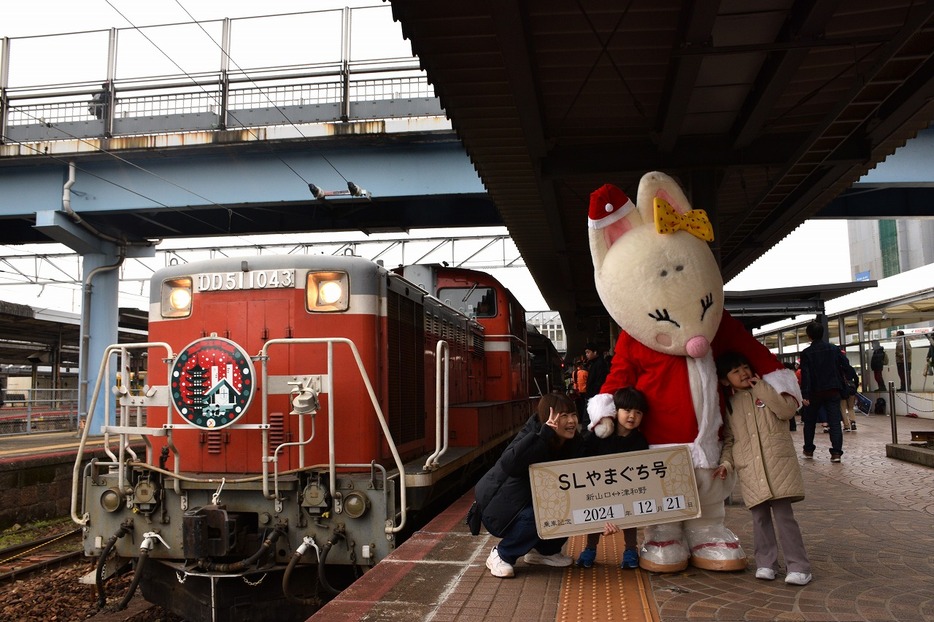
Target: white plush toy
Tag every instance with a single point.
(658, 279)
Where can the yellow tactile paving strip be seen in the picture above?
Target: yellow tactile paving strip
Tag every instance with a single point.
(604, 592)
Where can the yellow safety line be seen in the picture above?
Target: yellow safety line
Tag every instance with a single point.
(605, 592)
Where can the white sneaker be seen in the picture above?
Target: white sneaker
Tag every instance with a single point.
(499, 568)
(558, 560)
(798, 578)
(766, 574)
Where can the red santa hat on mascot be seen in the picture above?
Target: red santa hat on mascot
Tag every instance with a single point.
(608, 205)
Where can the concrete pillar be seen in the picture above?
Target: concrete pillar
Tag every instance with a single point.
(100, 314)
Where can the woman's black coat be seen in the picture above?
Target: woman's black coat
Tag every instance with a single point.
(505, 489)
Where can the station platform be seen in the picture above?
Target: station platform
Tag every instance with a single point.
(868, 525)
(41, 446)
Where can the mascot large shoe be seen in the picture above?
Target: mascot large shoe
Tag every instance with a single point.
(659, 280)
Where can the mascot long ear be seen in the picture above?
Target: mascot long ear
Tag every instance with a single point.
(611, 215)
(660, 185)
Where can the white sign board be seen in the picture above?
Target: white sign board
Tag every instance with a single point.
(631, 489)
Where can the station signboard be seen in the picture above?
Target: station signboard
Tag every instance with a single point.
(630, 489)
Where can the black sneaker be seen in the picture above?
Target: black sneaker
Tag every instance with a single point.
(809, 455)
(835, 458)
(853, 426)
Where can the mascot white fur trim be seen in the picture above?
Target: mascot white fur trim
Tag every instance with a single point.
(659, 280)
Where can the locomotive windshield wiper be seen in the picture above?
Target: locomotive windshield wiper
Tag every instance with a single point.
(469, 292)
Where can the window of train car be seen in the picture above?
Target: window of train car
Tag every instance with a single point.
(474, 301)
(327, 292)
(176, 297)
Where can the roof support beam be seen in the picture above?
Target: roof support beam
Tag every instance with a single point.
(698, 21)
(807, 20)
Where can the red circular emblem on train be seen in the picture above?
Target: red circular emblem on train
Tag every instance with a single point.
(212, 382)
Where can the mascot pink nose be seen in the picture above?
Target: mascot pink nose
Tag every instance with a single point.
(697, 347)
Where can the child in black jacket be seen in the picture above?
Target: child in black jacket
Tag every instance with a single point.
(631, 406)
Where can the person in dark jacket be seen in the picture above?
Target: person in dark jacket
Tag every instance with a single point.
(877, 362)
(597, 370)
(823, 367)
(504, 494)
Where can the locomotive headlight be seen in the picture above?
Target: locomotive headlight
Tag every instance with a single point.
(176, 297)
(355, 504)
(330, 292)
(327, 291)
(111, 500)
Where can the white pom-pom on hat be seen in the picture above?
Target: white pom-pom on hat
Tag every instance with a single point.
(608, 204)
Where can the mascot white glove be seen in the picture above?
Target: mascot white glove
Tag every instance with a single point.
(602, 415)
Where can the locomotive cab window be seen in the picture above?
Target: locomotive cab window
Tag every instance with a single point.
(327, 292)
(474, 301)
(176, 297)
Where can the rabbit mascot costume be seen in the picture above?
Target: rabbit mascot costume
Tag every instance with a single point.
(659, 280)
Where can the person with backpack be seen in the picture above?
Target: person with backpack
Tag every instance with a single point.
(822, 387)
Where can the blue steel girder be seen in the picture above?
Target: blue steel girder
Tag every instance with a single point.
(413, 181)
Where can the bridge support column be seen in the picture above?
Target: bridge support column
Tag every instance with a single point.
(100, 316)
(100, 306)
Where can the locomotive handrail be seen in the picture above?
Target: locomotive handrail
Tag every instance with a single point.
(300, 443)
(441, 369)
(332, 462)
(103, 372)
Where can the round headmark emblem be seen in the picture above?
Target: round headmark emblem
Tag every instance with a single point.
(212, 382)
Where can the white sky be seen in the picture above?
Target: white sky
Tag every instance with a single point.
(45, 17)
(792, 262)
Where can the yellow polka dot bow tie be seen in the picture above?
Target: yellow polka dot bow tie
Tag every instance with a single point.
(695, 222)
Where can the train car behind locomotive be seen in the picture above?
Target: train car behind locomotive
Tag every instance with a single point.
(299, 411)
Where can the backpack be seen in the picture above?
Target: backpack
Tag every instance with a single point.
(473, 519)
(879, 407)
(877, 361)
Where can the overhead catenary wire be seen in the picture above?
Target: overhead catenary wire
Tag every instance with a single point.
(96, 144)
(231, 212)
(117, 185)
(263, 92)
(214, 97)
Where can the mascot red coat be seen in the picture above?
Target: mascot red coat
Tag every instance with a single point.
(659, 280)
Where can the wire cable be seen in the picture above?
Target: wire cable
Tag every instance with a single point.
(262, 92)
(208, 93)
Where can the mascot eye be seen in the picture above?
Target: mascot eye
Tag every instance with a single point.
(661, 315)
(664, 272)
(706, 303)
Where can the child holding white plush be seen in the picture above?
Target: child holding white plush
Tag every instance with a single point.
(631, 406)
(758, 445)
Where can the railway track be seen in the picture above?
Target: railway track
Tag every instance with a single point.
(21, 560)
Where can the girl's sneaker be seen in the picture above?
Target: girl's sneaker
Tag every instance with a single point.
(766, 574)
(587, 558)
(798, 578)
(630, 559)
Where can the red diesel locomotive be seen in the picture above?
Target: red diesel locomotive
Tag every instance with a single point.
(299, 411)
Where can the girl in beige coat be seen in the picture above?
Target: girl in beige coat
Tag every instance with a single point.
(758, 445)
